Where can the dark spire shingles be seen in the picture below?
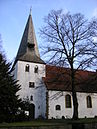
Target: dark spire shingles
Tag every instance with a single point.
(28, 50)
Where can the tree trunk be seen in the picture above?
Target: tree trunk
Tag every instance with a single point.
(74, 96)
(75, 105)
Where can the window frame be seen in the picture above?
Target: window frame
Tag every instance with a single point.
(31, 98)
(68, 103)
(58, 107)
(27, 68)
(36, 69)
(89, 101)
(31, 84)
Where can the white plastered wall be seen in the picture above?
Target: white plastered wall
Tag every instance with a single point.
(58, 98)
(38, 92)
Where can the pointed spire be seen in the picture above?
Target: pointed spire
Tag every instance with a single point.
(30, 10)
(28, 50)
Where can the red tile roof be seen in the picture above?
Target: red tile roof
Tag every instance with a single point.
(58, 78)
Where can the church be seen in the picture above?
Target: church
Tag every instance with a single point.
(49, 98)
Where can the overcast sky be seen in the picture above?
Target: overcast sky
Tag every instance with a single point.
(14, 15)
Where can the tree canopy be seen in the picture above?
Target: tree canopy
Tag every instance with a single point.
(9, 100)
(69, 39)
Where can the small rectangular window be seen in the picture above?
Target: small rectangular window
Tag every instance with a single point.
(58, 107)
(31, 84)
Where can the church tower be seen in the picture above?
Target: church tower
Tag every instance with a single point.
(29, 69)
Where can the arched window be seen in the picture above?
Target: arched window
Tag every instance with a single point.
(68, 101)
(36, 69)
(27, 68)
(31, 98)
(58, 107)
(89, 102)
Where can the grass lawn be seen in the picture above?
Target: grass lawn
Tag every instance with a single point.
(49, 122)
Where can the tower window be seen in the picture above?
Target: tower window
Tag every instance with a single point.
(36, 69)
(27, 68)
(31, 98)
(68, 101)
(30, 45)
(58, 107)
(89, 102)
(31, 84)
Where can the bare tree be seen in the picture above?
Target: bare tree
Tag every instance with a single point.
(69, 42)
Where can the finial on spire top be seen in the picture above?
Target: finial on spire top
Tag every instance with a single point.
(30, 10)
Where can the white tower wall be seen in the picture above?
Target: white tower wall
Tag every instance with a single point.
(38, 91)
